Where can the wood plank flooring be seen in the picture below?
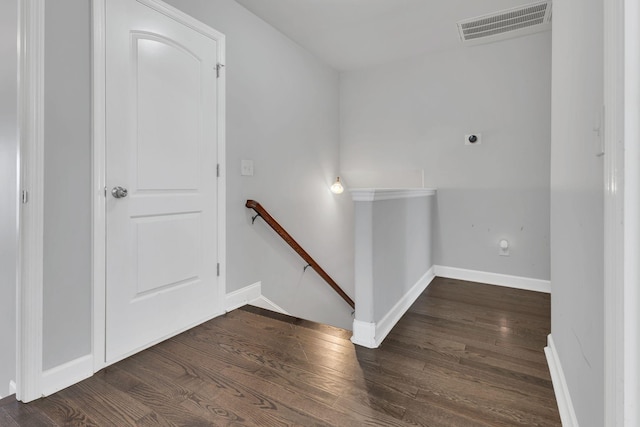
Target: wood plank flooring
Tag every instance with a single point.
(464, 355)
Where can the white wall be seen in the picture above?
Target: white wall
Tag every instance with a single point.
(414, 114)
(393, 252)
(8, 190)
(282, 113)
(577, 319)
(402, 249)
(67, 163)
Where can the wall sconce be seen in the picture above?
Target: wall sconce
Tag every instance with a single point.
(337, 187)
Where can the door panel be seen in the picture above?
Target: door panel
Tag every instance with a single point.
(169, 83)
(161, 144)
(169, 251)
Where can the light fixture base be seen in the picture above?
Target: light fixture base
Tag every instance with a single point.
(337, 187)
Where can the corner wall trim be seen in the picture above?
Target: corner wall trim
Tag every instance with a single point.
(364, 334)
(67, 374)
(517, 282)
(371, 335)
(243, 296)
(565, 407)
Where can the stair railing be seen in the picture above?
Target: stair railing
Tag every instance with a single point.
(262, 213)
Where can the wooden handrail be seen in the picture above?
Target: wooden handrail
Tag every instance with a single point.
(262, 213)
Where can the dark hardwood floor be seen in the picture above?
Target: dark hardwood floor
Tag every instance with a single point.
(464, 355)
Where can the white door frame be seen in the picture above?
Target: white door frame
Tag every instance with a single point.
(99, 168)
(631, 281)
(31, 215)
(622, 212)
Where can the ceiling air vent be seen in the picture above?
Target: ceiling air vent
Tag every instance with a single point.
(526, 19)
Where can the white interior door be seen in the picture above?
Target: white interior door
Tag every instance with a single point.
(161, 146)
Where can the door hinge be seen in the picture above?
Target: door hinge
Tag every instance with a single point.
(25, 197)
(218, 170)
(218, 67)
(218, 269)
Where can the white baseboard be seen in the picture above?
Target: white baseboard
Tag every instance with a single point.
(565, 407)
(267, 304)
(242, 296)
(251, 295)
(67, 374)
(372, 334)
(517, 282)
(12, 390)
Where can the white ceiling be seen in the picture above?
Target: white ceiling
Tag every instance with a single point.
(351, 34)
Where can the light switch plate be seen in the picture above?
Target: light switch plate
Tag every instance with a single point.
(246, 167)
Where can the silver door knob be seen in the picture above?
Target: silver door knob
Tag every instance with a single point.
(119, 192)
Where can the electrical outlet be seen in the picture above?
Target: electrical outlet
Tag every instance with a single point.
(503, 247)
(246, 167)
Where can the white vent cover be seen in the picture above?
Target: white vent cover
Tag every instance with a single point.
(526, 19)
